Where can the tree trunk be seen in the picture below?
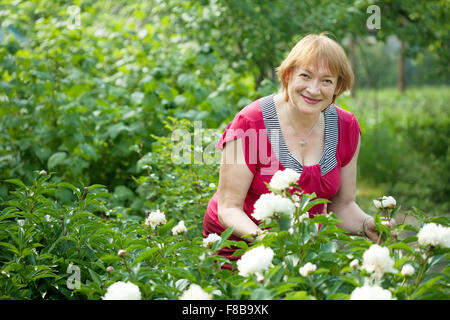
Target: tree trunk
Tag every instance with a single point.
(352, 52)
(401, 67)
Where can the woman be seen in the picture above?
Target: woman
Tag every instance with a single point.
(298, 128)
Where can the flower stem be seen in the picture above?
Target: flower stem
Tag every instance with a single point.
(312, 287)
(128, 268)
(422, 268)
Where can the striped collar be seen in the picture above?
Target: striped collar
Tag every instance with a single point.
(275, 135)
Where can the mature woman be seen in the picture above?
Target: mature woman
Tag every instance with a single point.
(298, 128)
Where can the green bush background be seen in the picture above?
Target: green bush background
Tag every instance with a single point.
(96, 100)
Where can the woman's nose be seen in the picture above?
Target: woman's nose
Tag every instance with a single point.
(313, 88)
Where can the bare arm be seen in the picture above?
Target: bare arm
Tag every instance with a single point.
(235, 179)
(344, 206)
(343, 203)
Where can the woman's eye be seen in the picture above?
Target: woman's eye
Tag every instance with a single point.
(328, 81)
(304, 75)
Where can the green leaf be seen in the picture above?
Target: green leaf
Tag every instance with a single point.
(423, 288)
(402, 246)
(56, 159)
(275, 274)
(284, 222)
(81, 215)
(94, 276)
(116, 129)
(261, 294)
(301, 295)
(108, 258)
(227, 233)
(10, 247)
(96, 186)
(146, 254)
(17, 182)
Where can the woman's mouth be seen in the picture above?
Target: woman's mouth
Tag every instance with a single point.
(310, 100)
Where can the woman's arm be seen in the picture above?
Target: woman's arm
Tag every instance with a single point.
(235, 179)
(344, 206)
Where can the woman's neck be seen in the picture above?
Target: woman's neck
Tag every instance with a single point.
(294, 117)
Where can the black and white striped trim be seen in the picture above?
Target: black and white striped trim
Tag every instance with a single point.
(328, 161)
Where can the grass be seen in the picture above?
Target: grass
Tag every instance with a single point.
(405, 146)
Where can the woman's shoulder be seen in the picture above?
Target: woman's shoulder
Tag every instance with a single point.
(345, 117)
(252, 112)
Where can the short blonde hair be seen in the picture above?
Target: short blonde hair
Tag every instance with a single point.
(318, 51)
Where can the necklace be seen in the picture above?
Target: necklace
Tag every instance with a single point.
(303, 142)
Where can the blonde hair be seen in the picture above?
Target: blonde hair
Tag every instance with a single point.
(318, 51)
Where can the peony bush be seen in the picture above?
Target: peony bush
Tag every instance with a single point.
(92, 250)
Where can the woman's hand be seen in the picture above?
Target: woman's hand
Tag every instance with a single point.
(370, 229)
(258, 235)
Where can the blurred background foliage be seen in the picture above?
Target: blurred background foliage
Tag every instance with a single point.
(93, 90)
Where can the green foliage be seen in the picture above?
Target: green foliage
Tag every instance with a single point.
(405, 144)
(81, 100)
(42, 239)
(105, 99)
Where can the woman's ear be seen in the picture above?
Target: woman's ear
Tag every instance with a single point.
(287, 79)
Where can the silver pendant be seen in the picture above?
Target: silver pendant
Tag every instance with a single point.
(303, 143)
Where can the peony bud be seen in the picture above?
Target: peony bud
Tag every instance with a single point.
(43, 173)
(389, 202)
(109, 269)
(354, 264)
(307, 269)
(121, 253)
(385, 202)
(407, 270)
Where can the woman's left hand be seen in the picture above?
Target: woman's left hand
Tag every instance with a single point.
(371, 229)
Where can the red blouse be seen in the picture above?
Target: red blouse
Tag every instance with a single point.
(266, 152)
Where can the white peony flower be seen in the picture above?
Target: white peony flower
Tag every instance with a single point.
(123, 291)
(121, 253)
(377, 204)
(407, 270)
(195, 292)
(269, 203)
(155, 218)
(377, 260)
(209, 241)
(370, 293)
(256, 260)
(435, 235)
(307, 269)
(179, 228)
(283, 178)
(385, 202)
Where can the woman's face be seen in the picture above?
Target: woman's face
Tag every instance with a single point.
(311, 90)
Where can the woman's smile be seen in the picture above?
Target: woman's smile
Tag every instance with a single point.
(310, 100)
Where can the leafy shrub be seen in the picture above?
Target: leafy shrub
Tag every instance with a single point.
(42, 240)
(405, 144)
